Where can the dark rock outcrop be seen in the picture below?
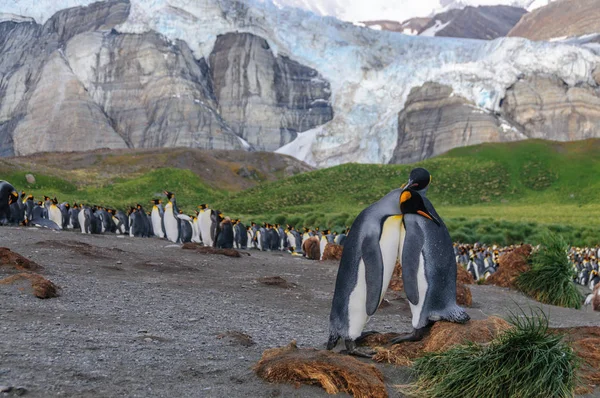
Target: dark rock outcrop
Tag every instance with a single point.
(266, 99)
(434, 121)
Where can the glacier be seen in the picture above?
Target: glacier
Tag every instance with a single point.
(371, 72)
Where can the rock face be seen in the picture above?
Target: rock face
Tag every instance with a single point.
(484, 22)
(434, 121)
(545, 107)
(75, 83)
(559, 19)
(266, 99)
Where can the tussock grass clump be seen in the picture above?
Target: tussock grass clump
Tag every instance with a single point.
(40, 287)
(525, 361)
(550, 279)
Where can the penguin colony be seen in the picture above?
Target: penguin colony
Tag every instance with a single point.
(164, 220)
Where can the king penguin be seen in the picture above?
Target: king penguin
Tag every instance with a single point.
(365, 270)
(54, 213)
(204, 224)
(157, 218)
(6, 193)
(172, 226)
(428, 267)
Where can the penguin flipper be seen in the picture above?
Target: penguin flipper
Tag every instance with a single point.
(411, 257)
(373, 259)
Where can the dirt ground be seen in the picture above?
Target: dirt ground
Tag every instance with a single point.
(144, 318)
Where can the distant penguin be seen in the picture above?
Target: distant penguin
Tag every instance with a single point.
(157, 218)
(240, 235)
(137, 223)
(273, 237)
(250, 235)
(204, 223)
(366, 268)
(54, 212)
(215, 226)
(225, 239)
(172, 226)
(16, 209)
(84, 219)
(196, 229)
(186, 227)
(323, 243)
(29, 205)
(121, 222)
(64, 209)
(428, 267)
(7, 191)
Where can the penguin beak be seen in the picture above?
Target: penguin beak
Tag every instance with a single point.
(426, 214)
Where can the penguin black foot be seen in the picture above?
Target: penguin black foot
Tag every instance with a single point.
(351, 349)
(364, 335)
(416, 335)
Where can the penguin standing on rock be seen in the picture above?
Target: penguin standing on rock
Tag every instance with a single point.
(366, 268)
(428, 261)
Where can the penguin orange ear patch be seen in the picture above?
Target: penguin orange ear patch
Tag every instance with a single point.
(405, 196)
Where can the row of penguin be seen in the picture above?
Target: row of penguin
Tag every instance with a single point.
(211, 228)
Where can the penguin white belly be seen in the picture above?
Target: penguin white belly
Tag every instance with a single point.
(422, 286)
(250, 241)
(81, 218)
(131, 225)
(322, 245)
(195, 231)
(291, 240)
(55, 215)
(170, 223)
(389, 242)
(357, 305)
(197, 228)
(156, 223)
(258, 240)
(205, 221)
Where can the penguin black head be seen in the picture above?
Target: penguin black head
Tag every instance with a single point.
(13, 197)
(155, 201)
(412, 203)
(203, 206)
(418, 179)
(169, 194)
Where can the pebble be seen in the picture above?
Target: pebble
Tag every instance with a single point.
(148, 339)
(142, 331)
(20, 391)
(119, 262)
(5, 388)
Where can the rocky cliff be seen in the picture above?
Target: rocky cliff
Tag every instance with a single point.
(75, 83)
(266, 99)
(435, 121)
(562, 18)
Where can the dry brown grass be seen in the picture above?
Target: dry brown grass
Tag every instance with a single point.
(586, 343)
(510, 266)
(442, 337)
(15, 261)
(463, 295)
(276, 281)
(41, 287)
(334, 372)
(463, 276)
(396, 283)
(210, 250)
(311, 248)
(333, 252)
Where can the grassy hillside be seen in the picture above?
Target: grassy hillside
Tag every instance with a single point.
(502, 193)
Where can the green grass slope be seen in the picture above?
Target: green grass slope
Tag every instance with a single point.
(494, 193)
